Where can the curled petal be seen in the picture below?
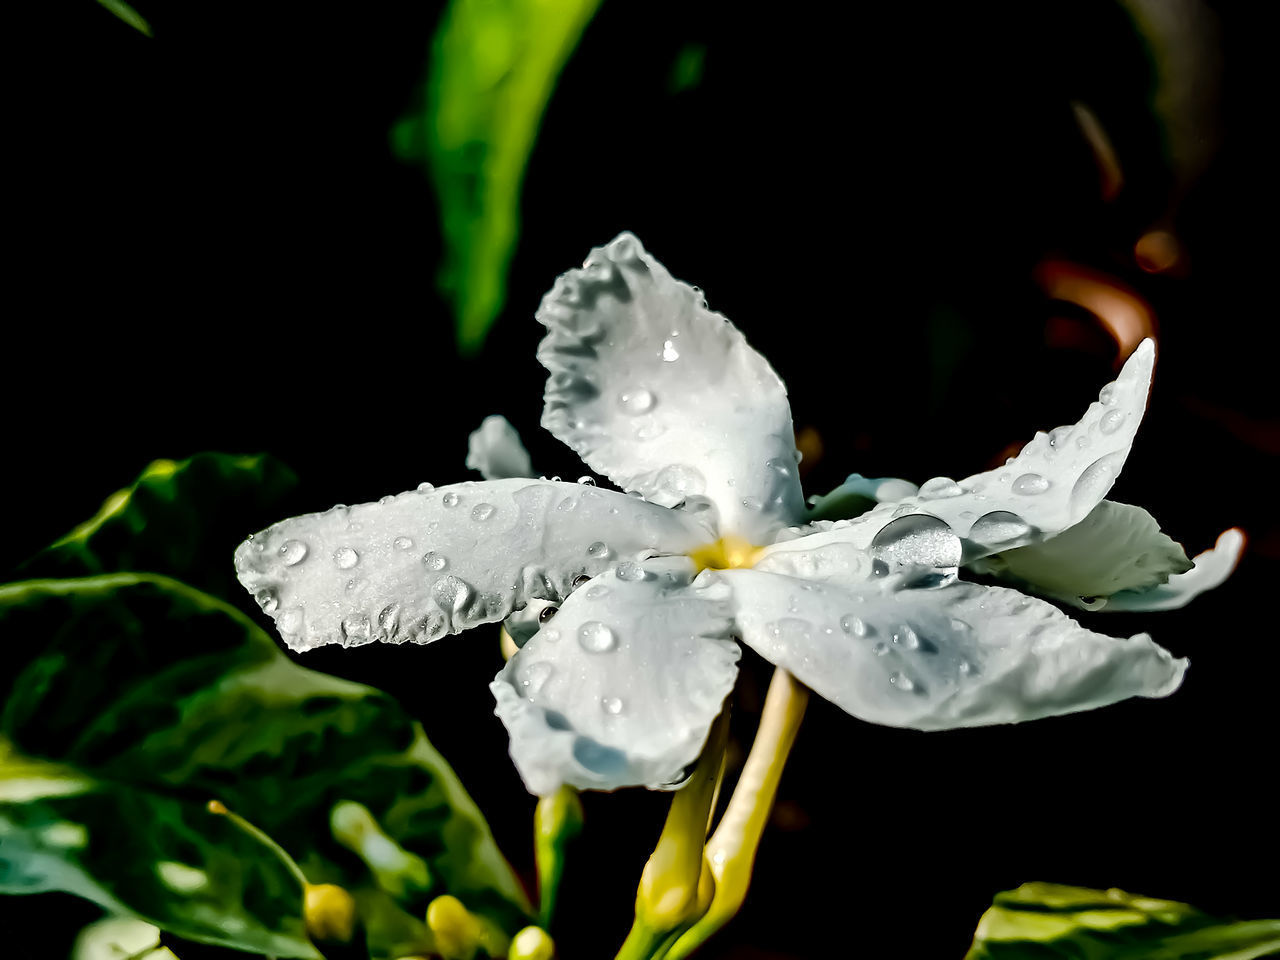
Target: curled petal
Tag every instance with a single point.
(1209, 570)
(1116, 547)
(496, 451)
(935, 658)
(664, 396)
(621, 687)
(857, 495)
(433, 561)
(1057, 479)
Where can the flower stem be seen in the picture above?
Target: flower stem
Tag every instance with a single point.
(731, 851)
(556, 822)
(676, 887)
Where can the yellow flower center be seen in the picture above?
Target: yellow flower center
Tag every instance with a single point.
(727, 553)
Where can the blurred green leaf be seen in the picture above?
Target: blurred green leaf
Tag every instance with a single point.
(152, 698)
(182, 518)
(492, 69)
(1045, 921)
(128, 15)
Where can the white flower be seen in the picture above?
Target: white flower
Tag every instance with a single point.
(668, 400)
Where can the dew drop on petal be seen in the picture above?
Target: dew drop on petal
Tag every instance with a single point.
(267, 600)
(611, 706)
(854, 626)
(355, 630)
(293, 552)
(902, 681)
(587, 480)
(599, 550)
(290, 621)
(345, 558)
(595, 637)
(402, 543)
(636, 402)
(630, 571)
(881, 648)
(669, 351)
(907, 637)
(598, 592)
(939, 488)
(483, 511)
(1111, 421)
(435, 561)
(1030, 484)
(1108, 394)
(451, 499)
(535, 677)
(426, 487)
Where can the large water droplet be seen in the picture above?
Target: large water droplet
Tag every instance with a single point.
(595, 637)
(611, 706)
(1030, 484)
(483, 511)
(999, 527)
(1093, 484)
(599, 550)
(535, 677)
(451, 499)
(854, 626)
(267, 600)
(939, 488)
(669, 351)
(293, 552)
(636, 402)
(587, 480)
(1108, 394)
(918, 538)
(435, 561)
(345, 558)
(355, 630)
(907, 637)
(426, 487)
(402, 543)
(630, 570)
(902, 681)
(1112, 421)
(451, 593)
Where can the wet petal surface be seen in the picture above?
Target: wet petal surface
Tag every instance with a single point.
(664, 396)
(434, 561)
(620, 687)
(937, 658)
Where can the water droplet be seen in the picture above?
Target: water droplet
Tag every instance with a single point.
(451, 499)
(1083, 441)
(880, 648)
(999, 527)
(939, 488)
(587, 481)
(355, 630)
(959, 625)
(483, 511)
(402, 543)
(854, 626)
(611, 706)
(426, 487)
(902, 681)
(599, 550)
(595, 637)
(598, 592)
(679, 481)
(345, 558)
(546, 613)
(451, 593)
(907, 637)
(965, 668)
(636, 402)
(780, 465)
(435, 561)
(389, 620)
(290, 621)
(1108, 394)
(579, 580)
(751, 503)
(630, 571)
(1030, 484)
(293, 552)
(535, 677)
(550, 634)
(267, 600)
(669, 351)
(919, 538)
(1111, 421)
(355, 586)
(387, 499)
(1092, 485)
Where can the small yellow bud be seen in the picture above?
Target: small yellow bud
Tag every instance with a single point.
(532, 943)
(329, 912)
(460, 934)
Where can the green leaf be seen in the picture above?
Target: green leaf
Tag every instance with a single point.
(128, 15)
(151, 698)
(181, 518)
(493, 66)
(1045, 921)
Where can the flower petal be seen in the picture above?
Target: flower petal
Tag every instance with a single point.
(435, 561)
(665, 397)
(953, 656)
(620, 688)
(1209, 570)
(857, 495)
(1057, 479)
(1116, 547)
(496, 451)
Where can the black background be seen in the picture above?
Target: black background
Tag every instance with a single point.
(213, 248)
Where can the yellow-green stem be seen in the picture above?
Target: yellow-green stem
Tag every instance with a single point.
(556, 822)
(676, 887)
(731, 851)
